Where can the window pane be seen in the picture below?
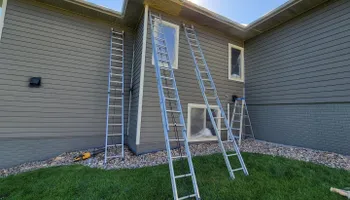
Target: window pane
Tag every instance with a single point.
(235, 62)
(201, 126)
(169, 33)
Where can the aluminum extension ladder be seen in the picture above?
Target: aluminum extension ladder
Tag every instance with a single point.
(170, 105)
(240, 120)
(115, 102)
(211, 97)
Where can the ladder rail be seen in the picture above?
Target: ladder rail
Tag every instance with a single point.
(222, 112)
(123, 82)
(164, 112)
(108, 96)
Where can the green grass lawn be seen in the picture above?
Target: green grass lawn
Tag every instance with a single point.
(271, 178)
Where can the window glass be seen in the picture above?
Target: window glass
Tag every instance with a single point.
(201, 127)
(171, 34)
(235, 62)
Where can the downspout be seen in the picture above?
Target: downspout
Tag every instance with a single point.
(131, 88)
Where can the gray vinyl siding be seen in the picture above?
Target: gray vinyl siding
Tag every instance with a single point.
(215, 48)
(136, 85)
(71, 54)
(297, 80)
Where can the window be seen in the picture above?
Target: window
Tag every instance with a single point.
(199, 126)
(171, 34)
(3, 4)
(235, 63)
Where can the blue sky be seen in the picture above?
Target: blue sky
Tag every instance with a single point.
(241, 11)
(112, 4)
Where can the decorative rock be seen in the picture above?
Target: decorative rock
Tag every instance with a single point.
(132, 161)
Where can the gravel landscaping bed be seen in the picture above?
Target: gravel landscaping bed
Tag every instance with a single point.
(329, 159)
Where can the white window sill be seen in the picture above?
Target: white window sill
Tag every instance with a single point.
(236, 79)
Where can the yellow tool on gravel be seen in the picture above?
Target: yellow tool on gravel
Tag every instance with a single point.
(88, 155)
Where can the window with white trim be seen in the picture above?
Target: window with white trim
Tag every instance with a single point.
(171, 34)
(199, 126)
(3, 4)
(235, 63)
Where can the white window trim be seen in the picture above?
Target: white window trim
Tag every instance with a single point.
(2, 17)
(177, 36)
(241, 79)
(189, 107)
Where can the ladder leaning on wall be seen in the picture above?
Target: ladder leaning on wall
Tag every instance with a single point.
(171, 110)
(211, 98)
(114, 141)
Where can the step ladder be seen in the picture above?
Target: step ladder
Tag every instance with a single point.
(211, 98)
(240, 120)
(171, 110)
(114, 141)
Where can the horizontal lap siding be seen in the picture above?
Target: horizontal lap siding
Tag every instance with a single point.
(297, 79)
(215, 49)
(71, 54)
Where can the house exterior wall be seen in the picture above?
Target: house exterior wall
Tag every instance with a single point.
(215, 49)
(71, 54)
(297, 80)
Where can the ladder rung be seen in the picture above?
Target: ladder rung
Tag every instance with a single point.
(236, 121)
(218, 118)
(188, 196)
(114, 134)
(165, 77)
(205, 79)
(170, 99)
(175, 111)
(119, 156)
(236, 129)
(115, 106)
(114, 145)
(234, 154)
(116, 74)
(120, 68)
(118, 38)
(115, 124)
(117, 49)
(202, 72)
(170, 88)
(116, 55)
(116, 89)
(177, 125)
(238, 169)
(116, 82)
(116, 97)
(116, 32)
(165, 68)
(210, 88)
(177, 157)
(183, 176)
(176, 140)
(117, 43)
(117, 61)
(115, 115)
(223, 129)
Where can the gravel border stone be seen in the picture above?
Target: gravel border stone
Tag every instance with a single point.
(329, 159)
